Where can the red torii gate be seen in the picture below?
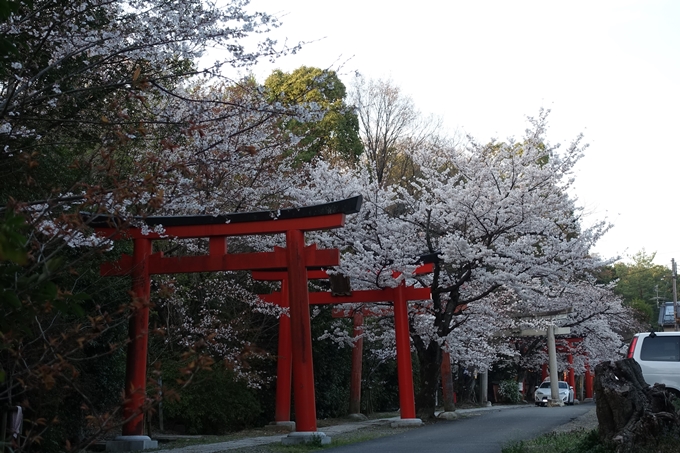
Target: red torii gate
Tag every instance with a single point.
(399, 296)
(357, 316)
(296, 259)
(571, 378)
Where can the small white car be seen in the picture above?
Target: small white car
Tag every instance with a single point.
(658, 354)
(542, 393)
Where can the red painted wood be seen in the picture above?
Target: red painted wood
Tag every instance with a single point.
(362, 296)
(404, 369)
(357, 355)
(278, 276)
(321, 274)
(284, 363)
(135, 375)
(588, 382)
(301, 334)
(424, 269)
(231, 229)
(447, 382)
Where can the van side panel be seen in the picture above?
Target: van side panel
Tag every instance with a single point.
(659, 358)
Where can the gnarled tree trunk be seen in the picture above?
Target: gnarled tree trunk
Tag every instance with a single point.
(630, 412)
(429, 359)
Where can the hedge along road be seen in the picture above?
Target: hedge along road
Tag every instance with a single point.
(484, 432)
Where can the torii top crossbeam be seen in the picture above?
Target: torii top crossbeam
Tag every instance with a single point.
(308, 218)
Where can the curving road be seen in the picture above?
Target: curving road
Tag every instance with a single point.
(484, 432)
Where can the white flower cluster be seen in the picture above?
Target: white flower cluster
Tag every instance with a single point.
(507, 236)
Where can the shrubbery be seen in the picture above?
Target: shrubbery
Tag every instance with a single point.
(509, 391)
(214, 404)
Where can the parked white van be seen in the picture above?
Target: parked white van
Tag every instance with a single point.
(658, 354)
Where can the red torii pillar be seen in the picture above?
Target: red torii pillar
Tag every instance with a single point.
(355, 385)
(357, 363)
(284, 367)
(448, 394)
(295, 258)
(357, 351)
(588, 382)
(399, 297)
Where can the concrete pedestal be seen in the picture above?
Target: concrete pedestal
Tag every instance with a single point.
(280, 426)
(555, 403)
(131, 443)
(405, 422)
(306, 437)
(447, 415)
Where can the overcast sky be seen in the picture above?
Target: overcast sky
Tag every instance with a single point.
(607, 69)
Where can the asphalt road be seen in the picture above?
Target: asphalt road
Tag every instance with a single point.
(486, 432)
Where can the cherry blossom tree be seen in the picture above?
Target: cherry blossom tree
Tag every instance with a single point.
(104, 108)
(509, 240)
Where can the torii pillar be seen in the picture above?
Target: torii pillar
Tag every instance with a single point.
(135, 370)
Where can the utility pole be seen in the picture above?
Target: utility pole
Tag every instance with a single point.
(675, 293)
(657, 298)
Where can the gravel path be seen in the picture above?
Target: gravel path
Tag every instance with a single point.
(586, 421)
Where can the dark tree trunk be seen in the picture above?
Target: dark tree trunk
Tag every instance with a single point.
(429, 359)
(631, 413)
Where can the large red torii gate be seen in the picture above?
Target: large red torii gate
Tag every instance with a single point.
(398, 296)
(295, 258)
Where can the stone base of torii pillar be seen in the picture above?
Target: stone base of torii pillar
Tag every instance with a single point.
(280, 426)
(306, 437)
(406, 422)
(131, 443)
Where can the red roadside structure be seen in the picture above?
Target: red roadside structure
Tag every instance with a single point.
(295, 259)
(398, 296)
(569, 348)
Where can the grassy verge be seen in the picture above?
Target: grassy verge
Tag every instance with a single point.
(582, 441)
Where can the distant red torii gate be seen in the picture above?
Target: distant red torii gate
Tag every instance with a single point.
(571, 378)
(399, 296)
(296, 259)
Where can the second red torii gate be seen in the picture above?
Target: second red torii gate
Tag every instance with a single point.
(399, 296)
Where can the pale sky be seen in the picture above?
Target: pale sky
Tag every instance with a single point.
(607, 69)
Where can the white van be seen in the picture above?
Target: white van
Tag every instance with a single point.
(658, 354)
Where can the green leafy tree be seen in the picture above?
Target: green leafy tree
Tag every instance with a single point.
(643, 284)
(333, 137)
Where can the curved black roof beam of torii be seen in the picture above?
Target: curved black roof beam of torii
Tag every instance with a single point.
(347, 206)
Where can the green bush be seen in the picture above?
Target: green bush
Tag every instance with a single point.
(509, 391)
(215, 403)
(332, 368)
